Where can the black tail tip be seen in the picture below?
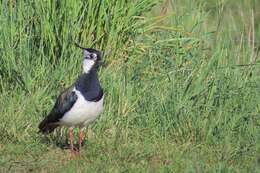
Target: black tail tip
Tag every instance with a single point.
(47, 129)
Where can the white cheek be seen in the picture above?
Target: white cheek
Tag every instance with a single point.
(87, 65)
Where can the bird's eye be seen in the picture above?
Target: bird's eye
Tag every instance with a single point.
(93, 56)
(88, 57)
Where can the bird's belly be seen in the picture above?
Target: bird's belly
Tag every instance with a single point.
(82, 112)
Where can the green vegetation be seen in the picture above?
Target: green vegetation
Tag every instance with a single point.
(181, 80)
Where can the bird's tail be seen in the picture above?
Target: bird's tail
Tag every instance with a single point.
(45, 127)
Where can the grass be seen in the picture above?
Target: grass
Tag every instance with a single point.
(181, 80)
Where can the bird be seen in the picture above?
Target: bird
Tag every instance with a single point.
(81, 103)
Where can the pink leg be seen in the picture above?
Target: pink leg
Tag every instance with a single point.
(71, 139)
(80, 138)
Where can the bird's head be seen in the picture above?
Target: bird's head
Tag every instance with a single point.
(92, 58)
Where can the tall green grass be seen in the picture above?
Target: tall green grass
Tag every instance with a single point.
(181, 81)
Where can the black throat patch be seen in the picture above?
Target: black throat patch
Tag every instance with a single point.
(89, 86)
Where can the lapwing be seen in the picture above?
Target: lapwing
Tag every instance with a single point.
(80, 104)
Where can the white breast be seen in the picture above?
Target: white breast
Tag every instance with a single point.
(83, 112)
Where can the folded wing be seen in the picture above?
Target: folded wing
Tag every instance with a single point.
(63, 104)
